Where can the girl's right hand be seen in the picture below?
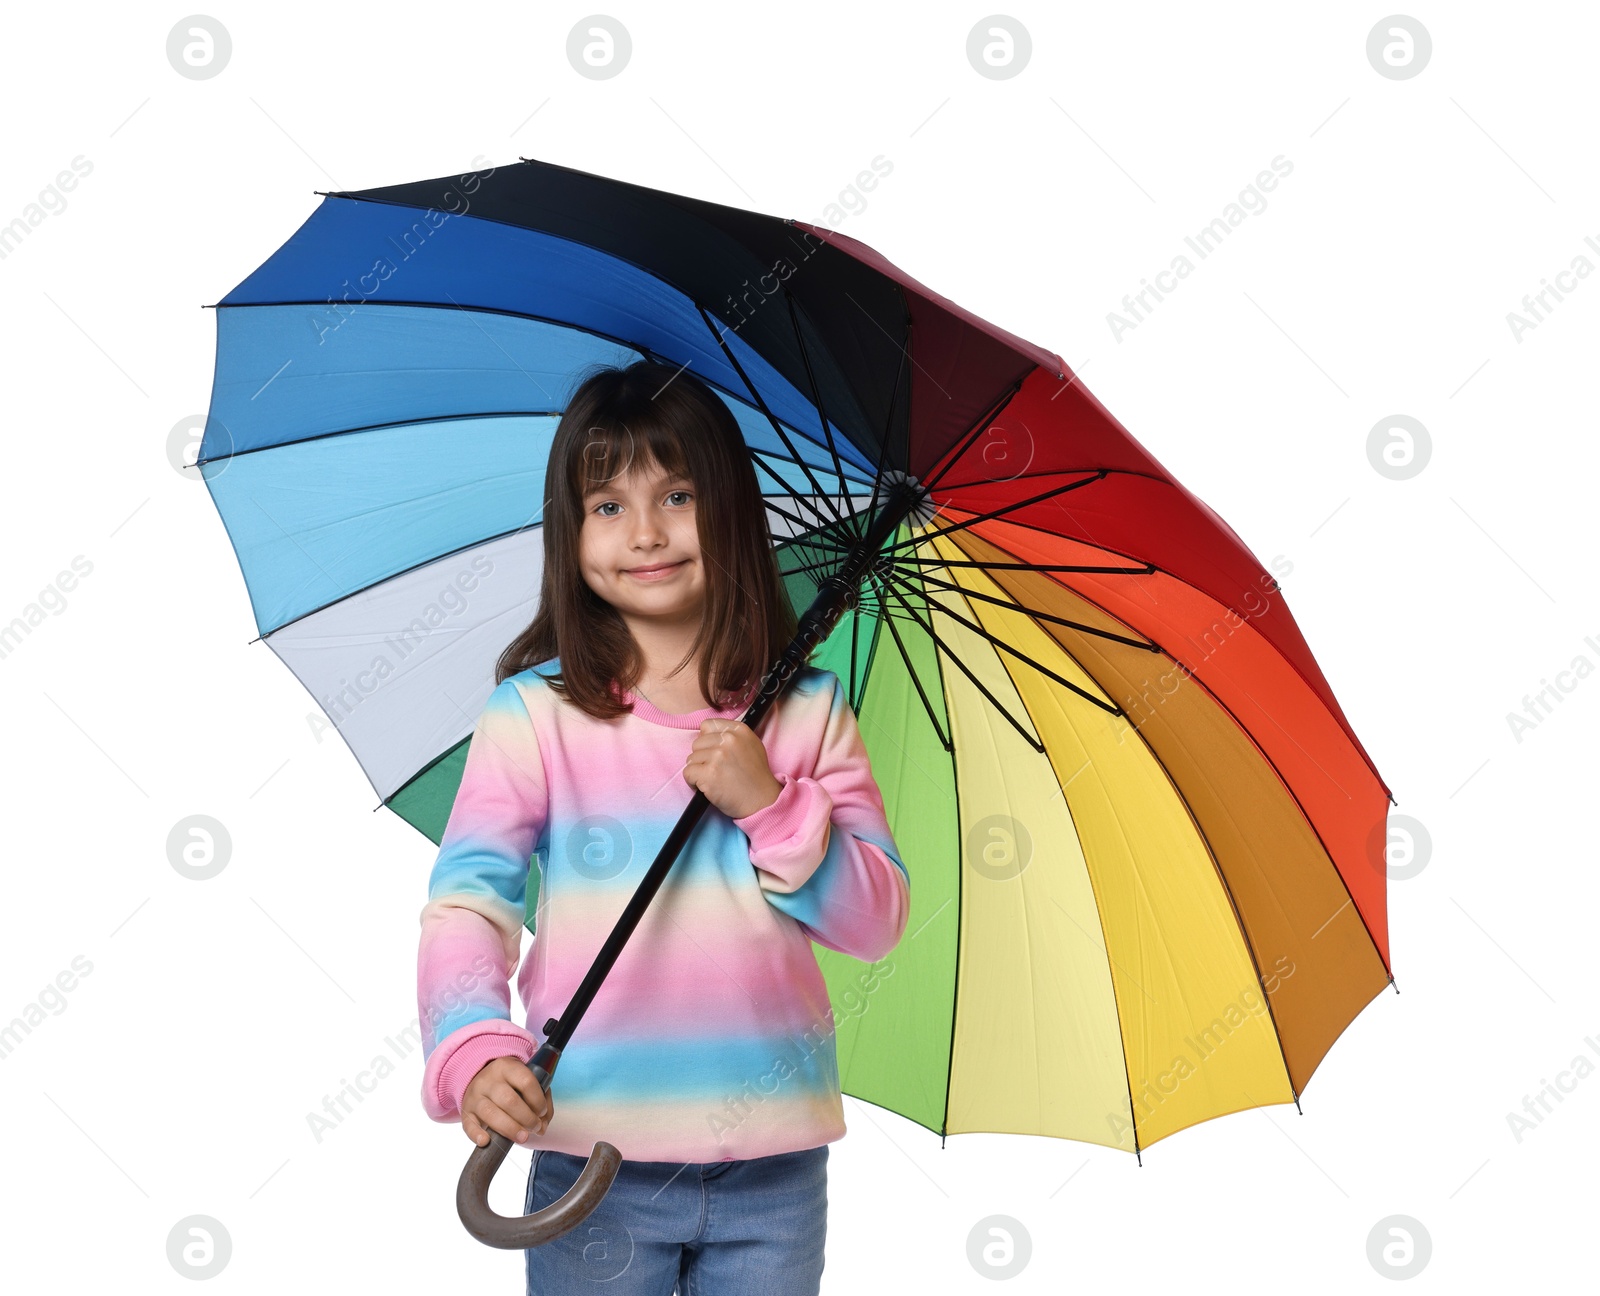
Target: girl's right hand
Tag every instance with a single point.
(505, 1097)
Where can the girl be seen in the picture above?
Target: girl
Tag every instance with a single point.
(707, 1057)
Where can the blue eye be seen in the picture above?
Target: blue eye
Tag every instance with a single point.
(606, 505)
(689, 494)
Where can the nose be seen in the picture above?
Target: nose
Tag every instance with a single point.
(647, 529)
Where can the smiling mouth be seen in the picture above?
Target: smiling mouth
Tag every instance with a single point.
(655, 571)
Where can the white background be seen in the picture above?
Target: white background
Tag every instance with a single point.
(178, 1077)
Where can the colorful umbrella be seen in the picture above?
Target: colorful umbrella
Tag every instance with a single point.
(1147, 848)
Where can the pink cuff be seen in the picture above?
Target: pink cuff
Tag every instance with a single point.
(789, 838)
(456, 1060)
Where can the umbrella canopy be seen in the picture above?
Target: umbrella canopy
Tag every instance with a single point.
(1146, 846)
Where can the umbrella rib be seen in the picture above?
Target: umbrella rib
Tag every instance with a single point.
(912, 671)
(762, 405)
(1100, 474)
(766, 501)
(789, 493)
(816, 395)
(1113, 709)
(974, 433)
(819, 540)
(894, 613)
(1056, 472)
(782, 458)
(831, 561)
(811, 566)
(888, 424)
(1007, 547)
(981, 686)
(1144, 570)
(1042, 616)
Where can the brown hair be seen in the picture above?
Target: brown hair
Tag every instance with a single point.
(658, 413)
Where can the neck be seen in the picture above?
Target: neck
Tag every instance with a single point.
(661, 648)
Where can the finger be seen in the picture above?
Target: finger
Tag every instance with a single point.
(500, 1122)
(474, 1129)
(516, 1105)
(715, 749)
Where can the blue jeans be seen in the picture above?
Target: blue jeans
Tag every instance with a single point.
(714, 1228)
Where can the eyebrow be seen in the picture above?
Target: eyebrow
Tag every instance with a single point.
(670, 480)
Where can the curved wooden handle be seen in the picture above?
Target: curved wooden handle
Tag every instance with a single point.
(519, 1232)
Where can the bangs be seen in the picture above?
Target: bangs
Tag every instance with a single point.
(608, 451)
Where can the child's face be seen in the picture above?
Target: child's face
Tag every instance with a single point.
(639, 549)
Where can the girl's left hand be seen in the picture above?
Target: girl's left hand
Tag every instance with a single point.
(729, 764)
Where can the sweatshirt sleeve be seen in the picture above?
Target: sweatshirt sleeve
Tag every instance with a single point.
(823, 852)
(472, 923)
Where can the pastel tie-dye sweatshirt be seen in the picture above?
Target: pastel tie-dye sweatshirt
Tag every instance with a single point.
(712, 1037)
